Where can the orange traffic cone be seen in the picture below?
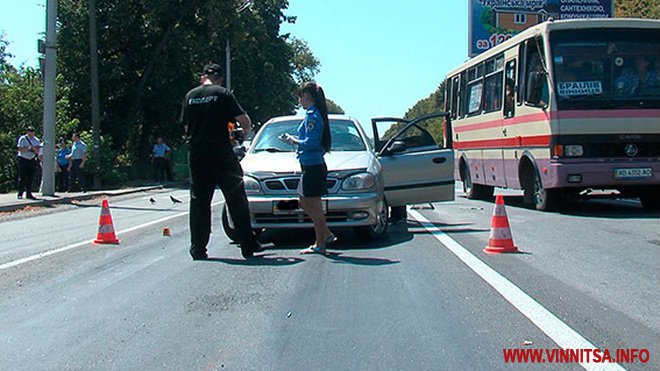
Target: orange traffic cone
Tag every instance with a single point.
(167, 232)
(500, 233)
(106, 233)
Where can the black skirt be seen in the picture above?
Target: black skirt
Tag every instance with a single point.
(314, 181)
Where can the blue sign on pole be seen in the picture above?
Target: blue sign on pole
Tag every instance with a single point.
(494, 21)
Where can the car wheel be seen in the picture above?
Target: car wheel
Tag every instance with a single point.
(650, 200)
(378, 230)
(228, 225)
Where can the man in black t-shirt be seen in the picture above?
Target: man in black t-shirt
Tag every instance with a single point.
(207, 109)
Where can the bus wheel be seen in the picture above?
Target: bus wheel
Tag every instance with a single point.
(650, 200)
(544, 199)
(475, 191)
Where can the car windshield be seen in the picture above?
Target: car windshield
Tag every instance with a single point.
(345, 137)
(596, 69)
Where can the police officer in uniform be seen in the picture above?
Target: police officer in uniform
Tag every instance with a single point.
(206, 111)
(314, 141)
(28, 147)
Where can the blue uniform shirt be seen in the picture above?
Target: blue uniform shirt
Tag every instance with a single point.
(61, 156)
(78, 149)
(160, 150)
(310, 130)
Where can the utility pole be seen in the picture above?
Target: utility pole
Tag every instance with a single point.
(48, 173)
(246, 4)
(228, 63)
(94, 76)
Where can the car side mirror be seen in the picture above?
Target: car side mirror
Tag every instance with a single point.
(397, 147)
(535, 89)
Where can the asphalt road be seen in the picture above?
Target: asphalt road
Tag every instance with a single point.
(408, 301)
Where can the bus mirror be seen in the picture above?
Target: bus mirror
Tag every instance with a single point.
(535, 88)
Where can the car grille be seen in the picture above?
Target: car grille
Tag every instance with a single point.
(291, 184)
(298, 218)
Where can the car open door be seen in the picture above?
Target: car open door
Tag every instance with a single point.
(416, 169)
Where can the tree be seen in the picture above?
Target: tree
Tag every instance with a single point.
(433, 103)
(21, 95)
(637, 9)
(151, 53)
(334, 107)
(305, 64)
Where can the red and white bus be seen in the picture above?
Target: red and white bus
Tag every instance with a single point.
(561, 109)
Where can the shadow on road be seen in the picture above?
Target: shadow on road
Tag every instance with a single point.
(594, 206)
(286, 239)
(340, 258)
(418, 228)
(258, 260)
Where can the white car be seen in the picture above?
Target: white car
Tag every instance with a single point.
(408, 168)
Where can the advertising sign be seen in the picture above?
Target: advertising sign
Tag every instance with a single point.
(494, 21)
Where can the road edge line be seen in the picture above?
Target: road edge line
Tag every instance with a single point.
(46, 253)
(556, 329)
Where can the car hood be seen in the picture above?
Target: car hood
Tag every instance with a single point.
(264, 164)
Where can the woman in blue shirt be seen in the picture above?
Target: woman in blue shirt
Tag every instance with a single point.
(313, 142)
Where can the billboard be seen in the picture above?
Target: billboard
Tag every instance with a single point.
(494, 21)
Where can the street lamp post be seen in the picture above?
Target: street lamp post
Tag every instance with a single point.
(48, 174)
(246, 4)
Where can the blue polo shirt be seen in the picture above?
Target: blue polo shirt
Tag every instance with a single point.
(160, 150)
(61, 156)
(310, 131)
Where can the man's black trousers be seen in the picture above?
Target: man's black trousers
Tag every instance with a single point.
(26, 170)
(207, 172)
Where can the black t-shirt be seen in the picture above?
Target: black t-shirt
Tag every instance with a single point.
(207, 109)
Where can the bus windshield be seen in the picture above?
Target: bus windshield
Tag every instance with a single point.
(599, 69)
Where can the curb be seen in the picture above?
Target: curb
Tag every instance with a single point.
(81, 197)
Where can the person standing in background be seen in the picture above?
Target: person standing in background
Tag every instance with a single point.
(28, 160)
(77, 159)
(63, 166)
(161, 163)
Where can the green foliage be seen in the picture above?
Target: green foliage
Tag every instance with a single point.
(334, 107)
(433, 103)
(151, 52)
(637, 9)
(21, 97)
(105, 165)
(305, 64)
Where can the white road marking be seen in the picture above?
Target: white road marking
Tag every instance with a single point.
(83, 243)
(556, 329)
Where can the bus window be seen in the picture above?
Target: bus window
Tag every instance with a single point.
(475, 91)
(493, 84)
(455, 96)
(463, 97)
(536, 74)
(509, 89)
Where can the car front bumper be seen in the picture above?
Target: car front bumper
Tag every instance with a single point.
(352, 210)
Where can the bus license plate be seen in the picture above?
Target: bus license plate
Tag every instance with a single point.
(633, 173)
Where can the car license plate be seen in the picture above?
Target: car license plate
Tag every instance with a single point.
(633, 173)
(291, 207)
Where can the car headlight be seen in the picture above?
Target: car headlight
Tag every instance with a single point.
(574, 150)
(359, 182)
(251, 185)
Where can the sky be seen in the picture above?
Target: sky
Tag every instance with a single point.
(378, 58)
